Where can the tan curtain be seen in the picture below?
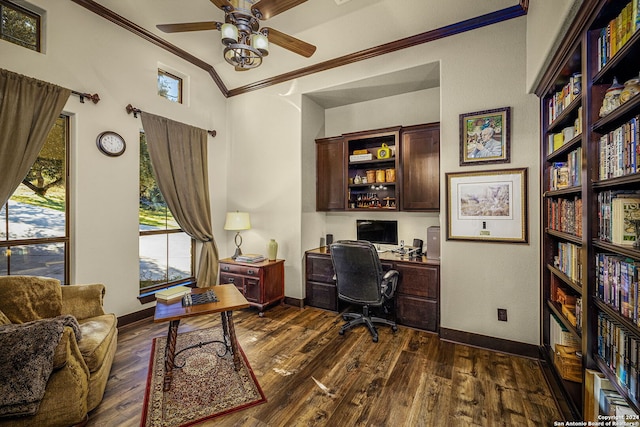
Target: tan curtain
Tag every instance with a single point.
(178, 155)
(28, 110)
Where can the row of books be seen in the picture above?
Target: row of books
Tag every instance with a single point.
(618, 348)
(558, 334)
(565, 215)
(568, 260)
(603, 404)
(563, 98)
(619, 151)
(617, 284)
(617, 212)
(618, 32)
(566, 174)
(557, 140)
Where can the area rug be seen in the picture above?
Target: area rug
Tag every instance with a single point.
(206, 386)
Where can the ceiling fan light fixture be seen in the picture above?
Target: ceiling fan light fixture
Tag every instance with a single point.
(260, 42)
(242, 57)
(228, 34)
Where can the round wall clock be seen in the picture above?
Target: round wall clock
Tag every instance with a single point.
(111, 144)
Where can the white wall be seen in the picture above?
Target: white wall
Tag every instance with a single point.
(412, 108)
(89, 54)
(547, 22)
(480, 70)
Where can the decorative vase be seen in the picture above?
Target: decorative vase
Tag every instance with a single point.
(272, 250)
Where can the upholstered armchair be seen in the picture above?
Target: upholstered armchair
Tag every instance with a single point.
(58, 345)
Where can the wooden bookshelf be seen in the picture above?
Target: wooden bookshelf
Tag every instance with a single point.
(582, 57)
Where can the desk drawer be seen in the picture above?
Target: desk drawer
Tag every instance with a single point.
(418, 280)
(417, 312)
(244, 270)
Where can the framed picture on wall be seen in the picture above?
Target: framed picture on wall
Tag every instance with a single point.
(485, 137)
(489, 206)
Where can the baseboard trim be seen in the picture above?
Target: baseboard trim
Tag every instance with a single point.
(131, 318)
(296, 302)
(490, 343)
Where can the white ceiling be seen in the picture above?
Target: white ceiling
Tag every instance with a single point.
(335, 29)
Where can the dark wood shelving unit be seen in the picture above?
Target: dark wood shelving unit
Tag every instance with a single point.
(411, 174)
(578, 53)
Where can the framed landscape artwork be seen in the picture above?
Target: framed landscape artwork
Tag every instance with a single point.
(488, 206)
(485, 137)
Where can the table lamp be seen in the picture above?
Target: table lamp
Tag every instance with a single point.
(237, 221)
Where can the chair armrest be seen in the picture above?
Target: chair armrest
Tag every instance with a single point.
(83, 301)
(389, 283)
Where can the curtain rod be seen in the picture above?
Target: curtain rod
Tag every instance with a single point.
(95, 98)
(131, 109)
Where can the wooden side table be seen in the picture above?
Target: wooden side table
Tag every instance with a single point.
(261, 283)
(229, 299)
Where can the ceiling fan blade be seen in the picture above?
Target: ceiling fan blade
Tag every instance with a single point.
(223, 4)
(189, 26)
(265, 9)
(289, 42)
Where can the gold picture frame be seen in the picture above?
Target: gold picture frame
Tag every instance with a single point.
(489, 206)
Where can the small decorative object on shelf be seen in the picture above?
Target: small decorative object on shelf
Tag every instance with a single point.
(631, 89)
(272, 250)
(611, 99)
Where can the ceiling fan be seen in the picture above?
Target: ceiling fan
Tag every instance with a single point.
(245, 42)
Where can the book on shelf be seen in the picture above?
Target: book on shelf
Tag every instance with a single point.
(618, 349)
(619, 150)
(565, 215)
(606, 218)
(568, 260)
(250, 258)
(558, 334)
(617, 284)
(618, 32)
(624, 210)
(173, 294)
(594, 382)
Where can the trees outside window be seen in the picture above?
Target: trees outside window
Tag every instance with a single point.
(166, 252)
(34, 232)
(169, 86)
(19, 25)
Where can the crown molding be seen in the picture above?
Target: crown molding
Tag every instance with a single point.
(428, 36)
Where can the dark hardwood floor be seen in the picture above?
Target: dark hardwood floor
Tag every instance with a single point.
(409, 378)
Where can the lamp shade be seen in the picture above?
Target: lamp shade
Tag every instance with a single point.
(228, 33)
(237, 221)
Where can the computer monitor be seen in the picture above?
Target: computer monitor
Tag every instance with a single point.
(377, 231)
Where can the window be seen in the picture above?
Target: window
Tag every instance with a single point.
(169, 86)
(166, 252)
(34, 232)
(20, 26)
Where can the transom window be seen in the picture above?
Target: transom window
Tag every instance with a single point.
(169, 86)
(20, 26)
(166, 252)
(34, 232)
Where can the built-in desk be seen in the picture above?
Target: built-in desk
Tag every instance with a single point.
(417, 300)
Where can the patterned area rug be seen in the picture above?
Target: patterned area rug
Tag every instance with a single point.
(206, 386)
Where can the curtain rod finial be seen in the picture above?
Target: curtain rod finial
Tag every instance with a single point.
(213, 133)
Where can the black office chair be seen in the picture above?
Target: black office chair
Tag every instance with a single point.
(360, 280)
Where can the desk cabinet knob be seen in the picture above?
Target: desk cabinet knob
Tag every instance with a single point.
(250, 272)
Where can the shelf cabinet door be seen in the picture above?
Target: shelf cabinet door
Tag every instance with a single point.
(330, 174)
(420, 166)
